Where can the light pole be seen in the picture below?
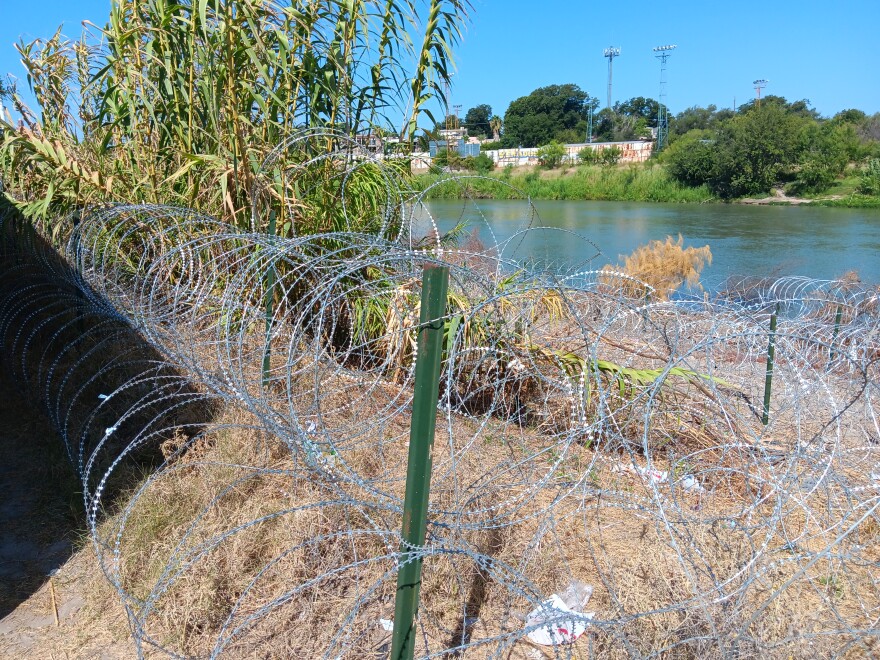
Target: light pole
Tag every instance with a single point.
(663, 53)
(611, 52)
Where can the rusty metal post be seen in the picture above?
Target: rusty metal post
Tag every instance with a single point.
(435, 283)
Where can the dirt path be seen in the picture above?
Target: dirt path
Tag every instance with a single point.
(779, 197)
(41, 570)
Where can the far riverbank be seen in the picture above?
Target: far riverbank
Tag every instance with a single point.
(625, 183)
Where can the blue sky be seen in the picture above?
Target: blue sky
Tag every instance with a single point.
(827, 52)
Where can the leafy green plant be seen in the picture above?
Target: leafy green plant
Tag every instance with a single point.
(588, 156)
(869, 182)
(610, 155)
(551, 155)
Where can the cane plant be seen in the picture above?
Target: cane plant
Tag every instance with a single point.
(179, 101)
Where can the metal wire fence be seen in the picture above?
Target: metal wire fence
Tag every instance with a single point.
(237, 406)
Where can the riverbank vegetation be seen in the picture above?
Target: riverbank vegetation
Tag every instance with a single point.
(778, 144)
(635, 183)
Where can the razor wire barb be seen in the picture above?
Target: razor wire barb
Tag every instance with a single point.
(582, 434)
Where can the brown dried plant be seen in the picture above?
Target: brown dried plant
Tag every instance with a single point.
(660, 268)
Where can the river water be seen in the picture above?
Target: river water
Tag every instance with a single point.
(761, 241)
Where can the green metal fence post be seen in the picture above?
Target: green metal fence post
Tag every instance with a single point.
(771, 352)
(435, 283)
(270, 300)
(836, 330)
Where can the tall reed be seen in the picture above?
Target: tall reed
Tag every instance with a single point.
(180, 102)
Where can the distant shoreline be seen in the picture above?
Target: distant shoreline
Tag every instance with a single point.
(626, 183)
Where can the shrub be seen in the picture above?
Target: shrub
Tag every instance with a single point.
(815, 175)
(441, 159)
(551, 155)
(869, 183)
(588, 156)
(610, 156)
(691, 158)
(483, 164)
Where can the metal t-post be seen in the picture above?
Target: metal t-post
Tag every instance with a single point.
(771, 352)
(435, 283)
(836, 332)
(269, 301)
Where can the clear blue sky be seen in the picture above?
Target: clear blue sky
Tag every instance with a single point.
(827, 52)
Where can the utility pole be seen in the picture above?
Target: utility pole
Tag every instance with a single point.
(759, 85)
(611, 52)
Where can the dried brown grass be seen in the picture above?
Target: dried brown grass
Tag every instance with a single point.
(663, 265)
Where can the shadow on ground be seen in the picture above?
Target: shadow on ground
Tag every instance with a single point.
(73, 371)
(41, 509)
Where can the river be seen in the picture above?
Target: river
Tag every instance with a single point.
(771, 241)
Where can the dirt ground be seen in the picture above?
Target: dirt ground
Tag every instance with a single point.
(47, 564)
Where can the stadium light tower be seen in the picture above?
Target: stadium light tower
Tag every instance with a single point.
(663, 53)
(611, 52)
(759, 85)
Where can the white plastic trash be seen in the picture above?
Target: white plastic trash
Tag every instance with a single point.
(690, 484)
(557, 629)
(576, 595)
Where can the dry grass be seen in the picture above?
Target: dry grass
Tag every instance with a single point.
(682, 575)
(662, 265)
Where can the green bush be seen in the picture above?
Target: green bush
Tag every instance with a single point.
(869, 184)
(816, 174)
(588, 156)
(482, 164)
(551, 155)
(610, 155)
(691, 158)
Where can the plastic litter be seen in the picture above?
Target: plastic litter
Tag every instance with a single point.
(648, 474)
(576, 595)
(387, 624)
(558, 629)
(690, 484)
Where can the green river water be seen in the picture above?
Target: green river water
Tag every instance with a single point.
(810, 241)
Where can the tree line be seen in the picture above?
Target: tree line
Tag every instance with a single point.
(734, 152)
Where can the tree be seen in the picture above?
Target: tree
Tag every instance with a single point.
(551, 155)
(800, 108)
(828, 149)
(691, 158)
(476, 120)
(495, 123)
(639, 107)
(850, 116)
(548, 113)
(755, 149)
(588, 156)
(698, 118)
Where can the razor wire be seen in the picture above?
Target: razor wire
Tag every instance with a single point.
(257, 389)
